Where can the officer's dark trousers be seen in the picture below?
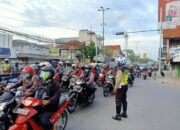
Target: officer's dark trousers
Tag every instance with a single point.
(121, 99)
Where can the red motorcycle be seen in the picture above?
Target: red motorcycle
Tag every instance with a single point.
(101, 79)
(26, 119)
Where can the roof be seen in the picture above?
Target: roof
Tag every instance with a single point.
(64, 40)
(114, 47)
(75, 44)
(27, 43)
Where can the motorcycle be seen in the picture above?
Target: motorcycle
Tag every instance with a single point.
(80, 95)
(101, 80)
(108, 85)
(27, 116)
(149, 72)
(144, 75)
(8, 101)
(130, 79)
(138, 73)
(65, 83)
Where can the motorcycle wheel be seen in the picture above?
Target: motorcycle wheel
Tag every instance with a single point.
(62, 122)
(106, 90)
(72, 105)
(91, 100)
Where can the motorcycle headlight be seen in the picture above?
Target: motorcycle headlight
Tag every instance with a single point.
(27, 102)
(2, 106)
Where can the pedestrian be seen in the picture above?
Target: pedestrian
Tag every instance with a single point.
(120, 89)
(6, 67)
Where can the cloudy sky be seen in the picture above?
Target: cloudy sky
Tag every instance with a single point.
(63, 18)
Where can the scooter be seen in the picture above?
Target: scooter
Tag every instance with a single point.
(108, 85)
(101, 79)
(144, 75)
(27, 116)
(8, 101)
(130, 79)
(80, 95)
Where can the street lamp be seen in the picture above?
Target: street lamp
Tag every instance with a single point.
(102, 9)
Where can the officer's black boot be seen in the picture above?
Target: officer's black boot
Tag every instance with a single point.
(117, 116)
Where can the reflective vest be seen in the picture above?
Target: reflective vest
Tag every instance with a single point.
(6, 68)
(124, 79)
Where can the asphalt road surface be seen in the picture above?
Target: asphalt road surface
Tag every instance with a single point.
(151, 106)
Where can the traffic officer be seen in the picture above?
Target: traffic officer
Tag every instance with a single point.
(120, 89)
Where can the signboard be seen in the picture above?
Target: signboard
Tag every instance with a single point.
(54, 52)
(5, 52)
(172, 17)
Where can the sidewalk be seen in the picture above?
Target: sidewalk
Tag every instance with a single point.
(168, 79)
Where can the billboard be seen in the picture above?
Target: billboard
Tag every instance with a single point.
(54, 52)
(170, 18)
(5, 52)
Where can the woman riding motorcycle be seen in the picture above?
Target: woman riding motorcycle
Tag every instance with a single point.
(54, 94)
(28, 81)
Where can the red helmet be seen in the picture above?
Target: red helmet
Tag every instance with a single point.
(28, 69)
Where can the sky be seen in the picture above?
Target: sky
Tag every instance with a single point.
(64, 18)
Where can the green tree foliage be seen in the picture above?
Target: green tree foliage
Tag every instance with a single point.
(107, 52)
(135, 58)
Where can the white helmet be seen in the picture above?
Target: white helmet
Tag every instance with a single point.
(6, 60)
(121, 61)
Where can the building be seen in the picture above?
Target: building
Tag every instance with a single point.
(28, 52)
(170, 24)
(70, 49)
(169, 14)
(5, 45)
(116, 49)
(87, 36)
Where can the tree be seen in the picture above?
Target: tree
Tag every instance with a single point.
(107, 52)
(90, 50)
(135, 58)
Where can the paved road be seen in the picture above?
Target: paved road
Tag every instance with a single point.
(152, 106)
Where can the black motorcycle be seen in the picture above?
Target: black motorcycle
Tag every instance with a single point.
(131, 79)
(65, 82)
(80, 94)
(8, 101)
(108, 85)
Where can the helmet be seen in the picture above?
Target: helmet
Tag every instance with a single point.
(47, 73)
(36, 67)
(106, 66)
(6, 60)
(121, 61)
(27, 72)
(45, 64)
(87, 68)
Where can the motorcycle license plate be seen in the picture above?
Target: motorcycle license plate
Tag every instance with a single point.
(22, 111)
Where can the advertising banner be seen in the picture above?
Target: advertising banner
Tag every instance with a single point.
(54, 52)
(5, 52)
(172, 17)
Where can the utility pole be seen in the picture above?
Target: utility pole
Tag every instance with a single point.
(103, 23)
(160, 43)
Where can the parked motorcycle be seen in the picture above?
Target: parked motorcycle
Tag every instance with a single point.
(8, 101)
(80, 95)
(108, 85)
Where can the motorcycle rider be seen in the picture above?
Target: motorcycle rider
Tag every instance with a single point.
(89, 78)
(120, 89)
(54, 94)
(28, 81)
